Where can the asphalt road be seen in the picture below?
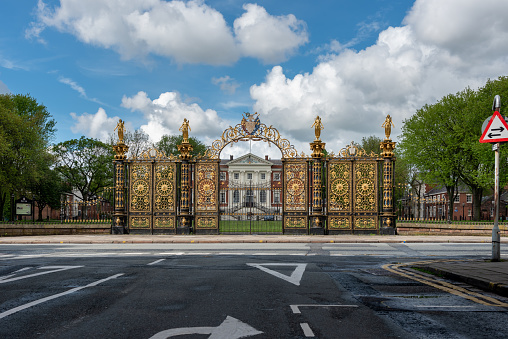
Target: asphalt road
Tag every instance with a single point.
(238, 291)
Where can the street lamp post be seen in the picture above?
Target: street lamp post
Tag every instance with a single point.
(463, 205)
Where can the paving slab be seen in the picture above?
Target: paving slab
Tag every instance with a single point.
(484, 274)
(126, 238)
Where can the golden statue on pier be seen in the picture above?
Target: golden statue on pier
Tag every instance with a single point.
(388, 126)
(121, 129)
(318, 126)
(185, 128)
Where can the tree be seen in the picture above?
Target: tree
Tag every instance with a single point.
(86, 165)
(371, 144)
(441, 140)
(26, 129)
(138, 142)
(47, 190)
(168, 144)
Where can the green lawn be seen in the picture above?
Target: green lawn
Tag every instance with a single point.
(246, 226)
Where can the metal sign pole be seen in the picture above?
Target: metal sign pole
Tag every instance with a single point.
(496, 239)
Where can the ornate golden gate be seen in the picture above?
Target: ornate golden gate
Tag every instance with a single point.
(152, 188)
(353, 192)
(321, 194)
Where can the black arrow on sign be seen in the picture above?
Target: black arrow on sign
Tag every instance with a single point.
(500, 129)
(493, 135)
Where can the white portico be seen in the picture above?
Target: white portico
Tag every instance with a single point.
(250, 182)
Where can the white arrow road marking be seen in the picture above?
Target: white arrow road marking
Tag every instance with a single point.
(294, 278)
(52, 269)
(230, 328)
(51, 297)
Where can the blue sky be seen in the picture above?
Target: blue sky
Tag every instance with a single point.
(153, 63)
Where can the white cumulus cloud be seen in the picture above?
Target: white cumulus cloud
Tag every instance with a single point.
(97, 125)
(165, 115)
(443, 47)
(185, 31)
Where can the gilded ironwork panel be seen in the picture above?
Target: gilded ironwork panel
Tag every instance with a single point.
(339, 223)
(206, 222)
(365, 223)
(164, 222)
(139, 222)
(140, 187)
(295, 222)
(339, 186)
(365, 186)
(295, 186)
(206, 186)
(165, 193)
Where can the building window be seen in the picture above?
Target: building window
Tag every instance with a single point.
(222, 176)
(457, 198)
(263, 176)
(262, 197)
(249, 176)
(236, 176)
(469, 212)
(276, 177)
(236, 197)
(276, 197)
(222, 197)
(469, 198)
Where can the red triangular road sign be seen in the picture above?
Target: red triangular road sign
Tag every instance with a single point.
(496, 130)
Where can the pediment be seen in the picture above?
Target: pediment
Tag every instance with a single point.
(249, 159)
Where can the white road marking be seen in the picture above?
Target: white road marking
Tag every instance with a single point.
(172, 253)
(230, 328)
(296, 308)
(294, 278)
(307, 331)
(52, 268)
(156, 262)
(51, 297)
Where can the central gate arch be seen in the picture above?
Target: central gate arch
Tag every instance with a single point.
(324, 193)
(244, 207)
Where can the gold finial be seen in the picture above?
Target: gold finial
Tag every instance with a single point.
(185, 128)
(318, 126)
(121, 129)
(388, 126)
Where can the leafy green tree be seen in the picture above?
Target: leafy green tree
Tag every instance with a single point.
(86, 165)
(442, 141)
(26, 130)
(371, 144)
(168, 144)
(47, 190)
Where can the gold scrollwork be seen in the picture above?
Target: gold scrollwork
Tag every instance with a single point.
(365, 223)
(295, 182)
(262, 133)
(206, 175)
(295, 222)
(164, 222)
(353, 150)
(206, 222)
(365, 186)
(339, 223)
(139, 222)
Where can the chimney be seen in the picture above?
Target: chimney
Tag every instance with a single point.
(231, 157)
(266, 157)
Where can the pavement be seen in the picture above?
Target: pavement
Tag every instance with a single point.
(484, 274)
